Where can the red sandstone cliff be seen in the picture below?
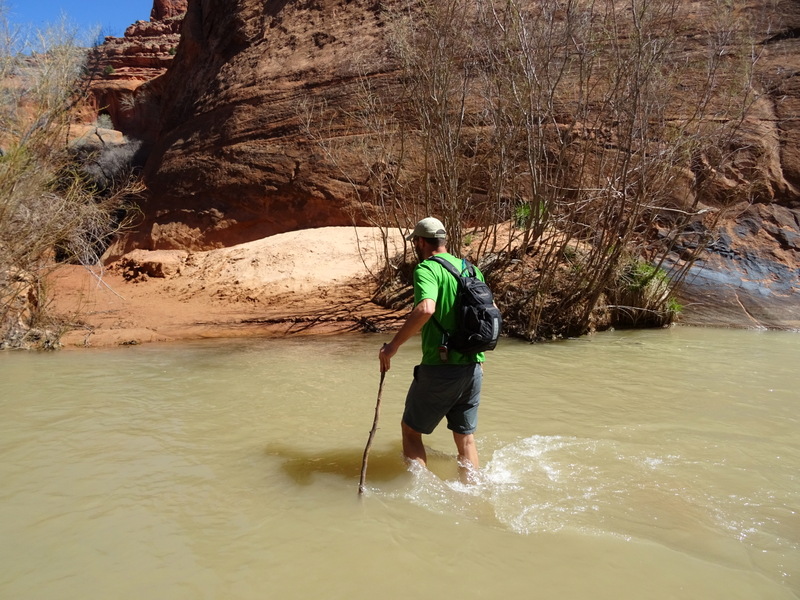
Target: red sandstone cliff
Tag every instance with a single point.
(230, 162)
(166, 9)
(127, 71)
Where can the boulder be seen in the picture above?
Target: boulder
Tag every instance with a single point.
(95, 137)
(161, 264)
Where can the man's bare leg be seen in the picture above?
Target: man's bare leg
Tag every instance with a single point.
(413, 448)
(467, 456)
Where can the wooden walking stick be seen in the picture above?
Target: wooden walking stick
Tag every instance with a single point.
(371, 435)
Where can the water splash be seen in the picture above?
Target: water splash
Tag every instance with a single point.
(604, 487)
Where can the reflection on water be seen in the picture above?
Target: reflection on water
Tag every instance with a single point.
(658, 464)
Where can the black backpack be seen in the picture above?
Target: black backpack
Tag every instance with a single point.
(478, 320)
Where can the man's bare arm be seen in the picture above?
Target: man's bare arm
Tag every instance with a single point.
(416, 319)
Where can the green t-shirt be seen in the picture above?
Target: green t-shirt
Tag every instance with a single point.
(432, 281)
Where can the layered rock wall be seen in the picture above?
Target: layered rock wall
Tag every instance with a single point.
(127, 71)
(231, 162)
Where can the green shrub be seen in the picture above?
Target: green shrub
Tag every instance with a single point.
(673, 306)
(522, 214)
(640, 275)
(642, 296)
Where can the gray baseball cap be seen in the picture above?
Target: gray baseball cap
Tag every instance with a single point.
(429, 227)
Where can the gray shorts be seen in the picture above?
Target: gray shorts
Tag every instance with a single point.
(438, 391)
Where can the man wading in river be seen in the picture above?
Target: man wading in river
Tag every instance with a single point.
(446, 383)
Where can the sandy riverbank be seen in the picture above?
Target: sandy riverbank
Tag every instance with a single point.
(310, 281)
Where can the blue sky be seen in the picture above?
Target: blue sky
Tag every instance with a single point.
(110, 17)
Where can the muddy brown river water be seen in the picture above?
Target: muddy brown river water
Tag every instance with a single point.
(626, 465)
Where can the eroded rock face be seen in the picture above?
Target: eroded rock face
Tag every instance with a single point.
(231, 162)
(748, 274)
(127, 71)
(166, 9)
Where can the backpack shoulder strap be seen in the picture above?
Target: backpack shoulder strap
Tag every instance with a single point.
(449, 267)
(446, 264)
(468, 270)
